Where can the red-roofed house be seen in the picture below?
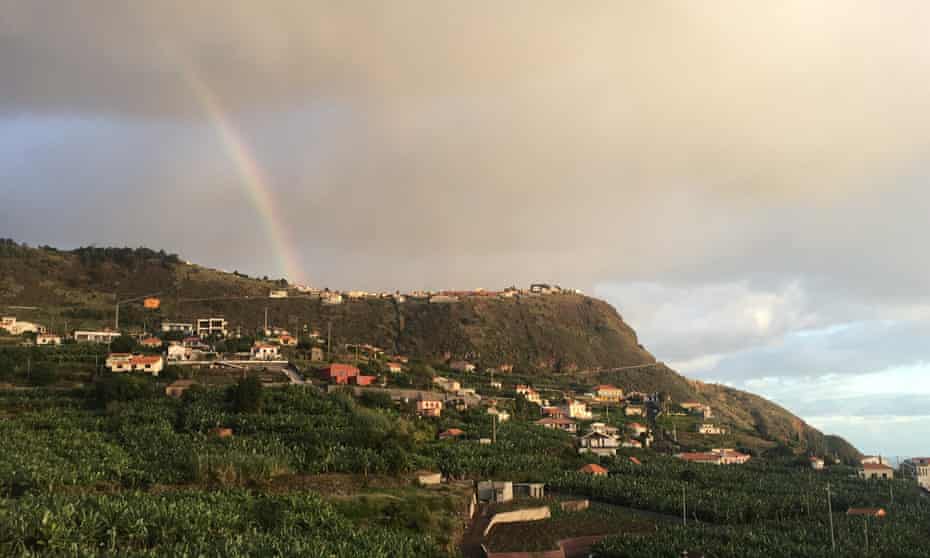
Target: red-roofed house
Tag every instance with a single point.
(452, 433)
(265, 351)
(715, 457)
(344, 374)
(564, 424)
(593, 469)
(394, 367)
(429, 408)
(125, 362)
(151, 342)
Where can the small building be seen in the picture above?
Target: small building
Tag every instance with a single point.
(817, 463)
(177, 388)
(102, 337)
(19, 327)
(563, 424)
(873, 460)
(496, 492)
(711, 429)
(151, 342)
(593, 469)
(554, 412)
(632, 443)
(603, 428)
(608, 392)
(277, 293)
(393, 367)
(496, 385)
(870, 471)
(180, 353)
(716, 456)
(48, 339)
(429, 408)
(287, 340)
(429, 479)
(330, 298)
(462, 366)
(451, 434)
(265, 351)
(345, 374)
(151, 303)
(126, 362)
(917, 468)
(598, 443)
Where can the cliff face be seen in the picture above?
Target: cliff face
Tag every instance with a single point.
(571, 338)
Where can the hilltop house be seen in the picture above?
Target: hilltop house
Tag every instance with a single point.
(875, 471)
(593, 469)
(564, 424)
(126, 362)
(918, 468)
(183, 327)
(607, 392)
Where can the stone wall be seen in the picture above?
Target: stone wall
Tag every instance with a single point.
(518, 516)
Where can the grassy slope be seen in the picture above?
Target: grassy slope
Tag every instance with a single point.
(567, 334)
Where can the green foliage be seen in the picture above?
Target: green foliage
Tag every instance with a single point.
(42, 374)
(120, 388)
(247, 395)
(123, 344)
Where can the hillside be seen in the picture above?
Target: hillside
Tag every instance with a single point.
(562, 339)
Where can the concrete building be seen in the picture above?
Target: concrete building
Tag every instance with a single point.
(48, 339)
(577, 410)
(502, 415)
(103, 337)
(563, 424)
(917, 468)
(19, 327)
(497, 492)
(711, 429)
(265, 351)
(817, 463)
(607, 392)
(207, 327)
(717, 456)
(183, 327)
(429, 408)
(869, 471)
(599, 444)
(278, 293)
(462, 366)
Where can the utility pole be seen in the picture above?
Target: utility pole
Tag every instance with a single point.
(684, 507)
(493, 429)
(116, 320)
(266, 320)
(830, 511)
(865, 525)
(329, 340)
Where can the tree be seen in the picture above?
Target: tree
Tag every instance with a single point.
(42, 375)
(119, 387)
(247, 395)
(123, 344)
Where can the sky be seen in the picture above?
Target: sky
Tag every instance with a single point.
(745, 181)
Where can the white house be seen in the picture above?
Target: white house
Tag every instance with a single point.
(637, 429)
(48, 339)
(711, 429)
(919, 469)
(446, 384)
(577, 410)
(212, 326)
(876, 471)
(278, 293)
(598, 443)
(18, 327)
(462, 366)
(529, 393)
(502, 415)
(102, 337)
(265, 351)
(183, 327)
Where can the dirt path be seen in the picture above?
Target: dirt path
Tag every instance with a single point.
(474, 535)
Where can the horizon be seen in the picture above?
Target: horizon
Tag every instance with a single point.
(745, 183)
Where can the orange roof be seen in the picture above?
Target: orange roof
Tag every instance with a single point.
(151, 341)
(605, 387)
(451, 432)
(145, 359)
(593, 468)
(636, 425)
(635, 461)
(555, 421)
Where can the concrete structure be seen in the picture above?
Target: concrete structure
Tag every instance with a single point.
(102, 337)
(278, 293)
(207, 327)
(286, 340)
(634, 411)
(870, 471)
(429, 479)
(345, 374)
(874, 460)
(443, 299)
(151, 342)
(183, 327)
(126, 362)
(316, 354)
(529, 393)
(393, 367)
(180, 353)
(48, 339)
(564, 424)
(917, 468)
(497, 492)
(518, 516)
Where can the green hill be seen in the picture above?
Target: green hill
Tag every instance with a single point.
(564, 339)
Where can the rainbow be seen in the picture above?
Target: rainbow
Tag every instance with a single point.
(250, 174)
